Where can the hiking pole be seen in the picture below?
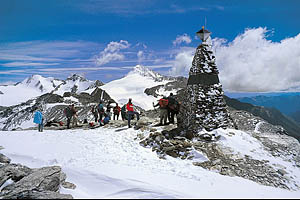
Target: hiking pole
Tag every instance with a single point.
(154, 107)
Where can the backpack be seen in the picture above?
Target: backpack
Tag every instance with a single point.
(173, 104)
(100, 107)
(172, 100)
(163, 103)
(123, 108)
(67, 111)
(116, 110)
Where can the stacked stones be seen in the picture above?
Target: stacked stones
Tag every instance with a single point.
(204, 105)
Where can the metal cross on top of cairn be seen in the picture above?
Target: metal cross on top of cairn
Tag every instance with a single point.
(204, 105)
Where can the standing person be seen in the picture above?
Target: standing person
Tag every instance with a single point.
(75, 116)
(117, 110)
(171, 108)
(163, 104)
(38, 119)
(123, 112)
(95, 113)
(69, 114)
(131, 112)
(100, 110)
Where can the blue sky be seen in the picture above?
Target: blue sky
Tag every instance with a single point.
(104, 39)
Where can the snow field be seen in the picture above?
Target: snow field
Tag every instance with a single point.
(108, 164)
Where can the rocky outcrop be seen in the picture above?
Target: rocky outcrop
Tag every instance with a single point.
(162, 144)
(177, 143)
(271, 115)
(4, 159)
(21, 182)
(176, 85)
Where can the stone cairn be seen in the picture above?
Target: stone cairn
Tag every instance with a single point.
(203, 106)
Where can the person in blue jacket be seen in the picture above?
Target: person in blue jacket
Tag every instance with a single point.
(38, 119)
(107, 117)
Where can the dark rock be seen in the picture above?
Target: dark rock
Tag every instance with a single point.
(35, 194)
(282, 172)
(68, 185)
(4, 159)
(43, 179)
(50, 98)
(16, 171)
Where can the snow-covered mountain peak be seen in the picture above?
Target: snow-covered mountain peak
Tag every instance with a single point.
(134, 84)
(76, 84)
(77, 77)
(146, 72)
(31, 87)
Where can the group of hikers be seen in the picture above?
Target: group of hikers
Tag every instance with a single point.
(127, 112)
(169, 107)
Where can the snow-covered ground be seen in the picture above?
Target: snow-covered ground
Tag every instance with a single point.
(105, 163)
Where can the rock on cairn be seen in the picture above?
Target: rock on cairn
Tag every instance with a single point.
(204, 106)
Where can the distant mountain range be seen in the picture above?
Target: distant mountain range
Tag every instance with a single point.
(144, 86)
(285, 103)
(37, 85)
(271, 115)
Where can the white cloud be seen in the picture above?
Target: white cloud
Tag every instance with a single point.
(183, 62)
(181, 39)
(141, 56)
(112, 52)
(26, 64)
(12, 72)
(252, 63)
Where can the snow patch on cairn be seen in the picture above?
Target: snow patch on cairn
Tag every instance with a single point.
(204, 106)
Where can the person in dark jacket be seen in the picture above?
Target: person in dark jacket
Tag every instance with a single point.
(95, 113)
(69, 112)
(171, 108)
(38, 119)
(123, 112)
(100, 110)
(117, 110)
(131, 112)
(75, 116)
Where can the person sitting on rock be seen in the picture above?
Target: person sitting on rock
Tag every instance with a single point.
(131, 112)
(163, 105)
(107, 117)
(117, 110)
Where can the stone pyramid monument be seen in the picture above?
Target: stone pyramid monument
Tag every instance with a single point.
(204, 106)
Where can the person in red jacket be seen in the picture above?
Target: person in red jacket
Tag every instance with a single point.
(117, 110)
(131, 112)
